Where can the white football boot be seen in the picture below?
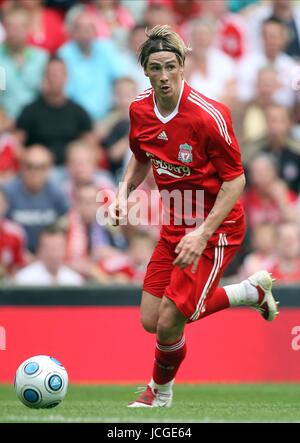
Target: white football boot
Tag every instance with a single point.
(151, 398)
(267, 306)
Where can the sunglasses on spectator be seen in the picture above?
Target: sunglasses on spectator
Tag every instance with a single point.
(36, 166)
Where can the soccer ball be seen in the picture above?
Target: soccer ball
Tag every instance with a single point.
(41, 382)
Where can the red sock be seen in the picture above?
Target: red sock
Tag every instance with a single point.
(168, 358)
(216, 302)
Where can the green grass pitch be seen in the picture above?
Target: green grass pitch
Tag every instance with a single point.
(192, 403)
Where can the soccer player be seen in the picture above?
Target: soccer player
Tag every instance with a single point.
(189, 141)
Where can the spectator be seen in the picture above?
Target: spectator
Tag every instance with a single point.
(274, 36)
(81, 169)
(186, 10)
(183, 10)
(263, 240)
(24, 65)
(10, 149)
(53, 120)
(230, 35)
(159, 12)
(268, 199)
(141, 247)
(89, 241)
(281, 145)
(253, 118)
(35, 202)
(112, 19)
(115, 127)
(136, 38)
(214, 71)
(286, 268)
(130, 268)
(136, 9)
(46, 27)
(93, 65)
(49, 269)
(286, 11)
(12, 242)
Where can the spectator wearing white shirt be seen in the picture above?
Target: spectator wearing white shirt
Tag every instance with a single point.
(214, 71)
(288, 11)
(274, 36)
(49, 269)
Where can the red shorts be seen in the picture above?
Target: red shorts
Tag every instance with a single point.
(190, 291)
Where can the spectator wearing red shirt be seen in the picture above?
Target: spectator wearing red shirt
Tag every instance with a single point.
(286, 268)
(184, 10)
(111, 18)
(268, 199)
(230, 34)
(12, 242)
(130, 267)
(10, 149)
(46, 25)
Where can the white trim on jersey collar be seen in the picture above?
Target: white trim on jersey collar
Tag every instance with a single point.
(173, 113)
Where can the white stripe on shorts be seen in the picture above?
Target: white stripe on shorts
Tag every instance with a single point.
(218, 261)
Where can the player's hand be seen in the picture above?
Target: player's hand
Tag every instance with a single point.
(117, 212)
(189, 250)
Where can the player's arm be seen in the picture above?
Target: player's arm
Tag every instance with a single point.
(226, 198)
(134, 175)
(223, 151)
(191, 246)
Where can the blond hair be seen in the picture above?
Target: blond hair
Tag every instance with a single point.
(162, 38)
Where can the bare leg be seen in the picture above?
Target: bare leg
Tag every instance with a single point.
(171, 322)
(149, 311)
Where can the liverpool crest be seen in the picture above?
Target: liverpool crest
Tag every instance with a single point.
(185, 153)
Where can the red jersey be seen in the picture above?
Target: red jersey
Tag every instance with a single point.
(12, 246)
(52, 35)
(9, 162)
(193, 148)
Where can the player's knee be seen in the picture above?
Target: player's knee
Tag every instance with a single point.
(149, 325)
(166, 327)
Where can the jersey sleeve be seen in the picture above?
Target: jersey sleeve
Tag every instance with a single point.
(133, 138)
(223, 149)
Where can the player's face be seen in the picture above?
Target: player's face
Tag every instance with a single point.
(165, 74)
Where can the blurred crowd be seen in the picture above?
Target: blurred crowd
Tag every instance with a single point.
(68, 72)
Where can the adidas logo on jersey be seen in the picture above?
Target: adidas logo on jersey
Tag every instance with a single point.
(163, 136)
